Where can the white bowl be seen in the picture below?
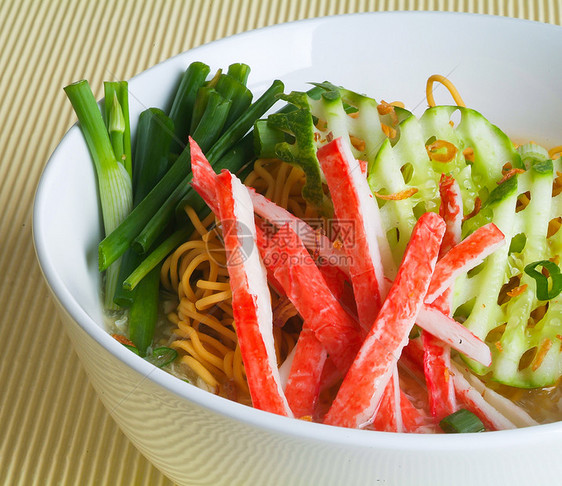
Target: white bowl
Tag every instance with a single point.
(510, 70)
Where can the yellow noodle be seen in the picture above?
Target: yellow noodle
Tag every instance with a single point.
(204, 353)
(228, 363)
(207, 284)
(238, 369)
(294, 176)
(209, 365)
(201, 371)
(187, 331)
(209, 301)
(266, 176)
(210, 321)
(280, 183)
(197, 223)
(445, 82)
(187, 274)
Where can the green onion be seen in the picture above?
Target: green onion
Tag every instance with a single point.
(143, 312)
(156, 256)
(114, 245)
(154, 136)
(116, 128)
(212, 120)
(462, 421)
(182, 107)
(162, 356)
(233, 134)
(239, 72)
(114, 182)
(132, 348)
(238, 93)
(543, 293)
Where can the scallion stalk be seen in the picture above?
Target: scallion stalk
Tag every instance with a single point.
(182, 107)
(156, 256)
(114, 182)
(239, 71)
(143, 313)
(116, 129)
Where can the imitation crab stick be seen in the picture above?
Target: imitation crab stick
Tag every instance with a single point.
(354, 205)
(251, 302)
(315, 241)
(204, 176)
(289, 261)
(396, 412)
(495, 403)
(360, 393)
(462, 257)
(453, 333)
(437, 354)
(303, 383)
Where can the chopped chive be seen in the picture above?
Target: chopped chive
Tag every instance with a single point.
(460, 422)
(543, 293)
(132, 348)
(162, 356)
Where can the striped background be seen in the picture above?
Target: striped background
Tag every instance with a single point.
(53, 429)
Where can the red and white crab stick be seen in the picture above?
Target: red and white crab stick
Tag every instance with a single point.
(437, 354)
(396, 412)
(462, 257)
(360, 393)
(303, 383)
(366, 244)
(251, 301)
(315, 241)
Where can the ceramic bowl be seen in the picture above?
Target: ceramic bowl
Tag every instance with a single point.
(508, 69)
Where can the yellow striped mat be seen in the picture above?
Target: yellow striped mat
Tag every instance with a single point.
(53, 429)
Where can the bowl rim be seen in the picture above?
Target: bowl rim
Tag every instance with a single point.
(239, 412)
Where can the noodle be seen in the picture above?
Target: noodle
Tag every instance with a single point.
(445, 82)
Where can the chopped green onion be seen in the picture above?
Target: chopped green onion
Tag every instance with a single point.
(461, 422)
(162, 356)
(543, 293)
(132, 348)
